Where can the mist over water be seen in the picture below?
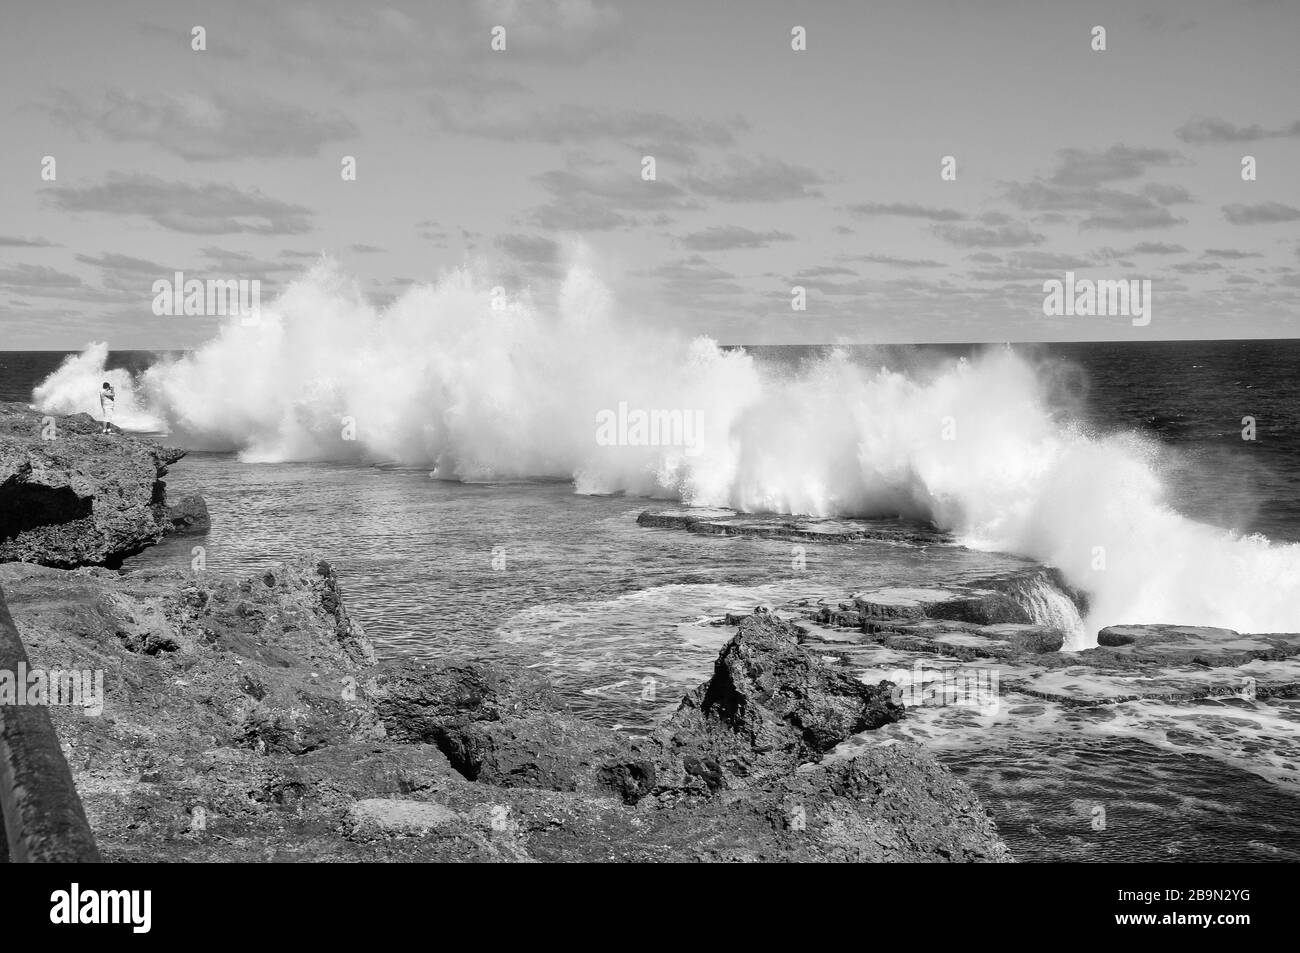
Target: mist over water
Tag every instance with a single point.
(443, 379)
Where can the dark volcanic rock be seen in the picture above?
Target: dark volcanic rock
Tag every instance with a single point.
(70, 496)
(189, 515)
(422, 701)
(770, 706)
(495, 724)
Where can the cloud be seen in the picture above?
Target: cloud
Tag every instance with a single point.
(688, 280)
(367, 47)
(1132, 219)
(823, 271)
(1076, 186)
(570, 123)
(1155, 248)
(113, 261)
(894, 262)
(1196, 267)
(1203, 130)
(1230, 254)
(556, 31)
(906, 210)
(590, 196)
(979, 236)
(206, 127)
(1050, 261)
(228, 262)
(1262, 214)
(193, 209)
(41, 281)
(34, 279)
(533, 249)
(1166, 194)
(761, 180)
(724, 237)
(1107, 208)
(1083, 167)
(16, 241)
(1030, 265)
(363, 249)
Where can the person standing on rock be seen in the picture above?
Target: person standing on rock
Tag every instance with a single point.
(106, 399)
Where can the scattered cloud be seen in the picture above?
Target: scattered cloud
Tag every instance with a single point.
(979, 236)
(906, 210)
(823, 271)
(894, 262)
(1084, 167)
(555, 31)
(193, 209)
(1106, 208)
(533, 249)
(726, 237)
(1230, 254)
(1263, 213)
(1155, 248)
(691, 278)
(31, 279)
(205, 127)
(1203, 130)
(569, 123)
(590, 196)
(113, 261)
(17, 241)
(756, 180)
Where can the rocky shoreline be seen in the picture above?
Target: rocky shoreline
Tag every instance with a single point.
(248, 719)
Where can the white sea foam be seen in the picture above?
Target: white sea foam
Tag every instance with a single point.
(442, 379)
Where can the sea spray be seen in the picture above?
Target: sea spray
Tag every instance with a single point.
(444, 379)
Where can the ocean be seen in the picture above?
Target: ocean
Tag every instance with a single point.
(469, 515)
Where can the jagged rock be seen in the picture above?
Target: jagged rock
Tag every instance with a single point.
(769, 707)
(70, 496)
(422, 701)
(547, 750)
(190, 515)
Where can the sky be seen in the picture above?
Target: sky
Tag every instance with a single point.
(773, 167)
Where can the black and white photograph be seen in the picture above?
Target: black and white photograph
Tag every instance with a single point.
(599, 432)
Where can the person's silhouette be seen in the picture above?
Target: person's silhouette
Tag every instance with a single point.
(106, 399)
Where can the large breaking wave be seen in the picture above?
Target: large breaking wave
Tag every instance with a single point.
(479, 389)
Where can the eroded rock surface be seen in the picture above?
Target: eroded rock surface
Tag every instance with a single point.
(245, 719)
(71, 496)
